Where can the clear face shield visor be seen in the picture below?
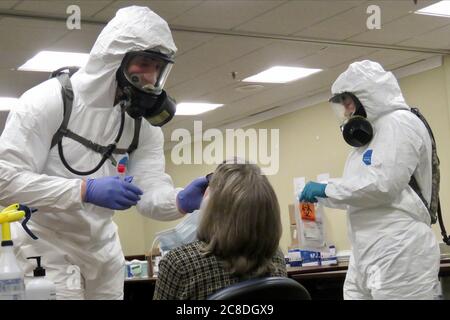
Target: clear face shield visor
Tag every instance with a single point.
(343, 106)
(148, 71)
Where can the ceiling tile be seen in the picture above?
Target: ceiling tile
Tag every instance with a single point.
(353, 22)
(164, 8)
(87, 7)
(436, 39)
(334, 55)
(276, 53)
(339, 27)
(388, 58)
(224, 14)
(33, 24)
(78, 40)
(6, 4)
(402, 29)
(186, 41)
(29, 35)
(220, 78)
(272, 95)
(296, 15)
(209, 82)
(183, 80)
(212, 54)
(10, 60)
(408, 61)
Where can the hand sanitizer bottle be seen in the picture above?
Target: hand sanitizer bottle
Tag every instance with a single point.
(40, 288)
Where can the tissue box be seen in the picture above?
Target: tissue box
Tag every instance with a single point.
(295, 258)
(326, 259)
(310, 258)
(305, 258)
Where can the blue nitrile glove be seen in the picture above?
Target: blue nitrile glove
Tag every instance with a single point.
(313, 190)
(189, 198)
(112, 192)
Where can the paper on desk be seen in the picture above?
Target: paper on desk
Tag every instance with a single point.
(311, 230)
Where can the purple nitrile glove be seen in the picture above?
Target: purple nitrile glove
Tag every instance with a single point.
(112, 192)
(189, 198)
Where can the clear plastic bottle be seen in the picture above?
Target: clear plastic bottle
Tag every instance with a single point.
(332, 249)
(40, 288)
(12, 285)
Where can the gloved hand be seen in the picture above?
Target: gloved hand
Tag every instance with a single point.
(313, 190)
(189, 198)
(112, 192)
(128, 179)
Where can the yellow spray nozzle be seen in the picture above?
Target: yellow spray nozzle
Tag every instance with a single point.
(11, 216)
(14, 206)
(8, 215)
(11, 213)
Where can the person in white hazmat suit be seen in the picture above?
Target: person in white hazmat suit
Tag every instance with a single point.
(395, 254)
(78, 239)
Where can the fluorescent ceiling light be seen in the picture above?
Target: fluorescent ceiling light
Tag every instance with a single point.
(281, 74)
(7, 104)
(440, 9)
(193, 108)
(48, 61)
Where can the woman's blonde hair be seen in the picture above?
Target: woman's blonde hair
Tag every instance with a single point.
(241, 220)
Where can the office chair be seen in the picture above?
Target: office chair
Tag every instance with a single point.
(269, 288)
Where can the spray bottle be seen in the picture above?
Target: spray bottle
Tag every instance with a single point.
(12, 285)
(40, 288)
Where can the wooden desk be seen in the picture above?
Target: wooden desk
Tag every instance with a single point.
(322, 282)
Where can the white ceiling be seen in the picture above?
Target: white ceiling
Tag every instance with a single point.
(218, 37)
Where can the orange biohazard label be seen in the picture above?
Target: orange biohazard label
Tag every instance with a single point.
(307, 211)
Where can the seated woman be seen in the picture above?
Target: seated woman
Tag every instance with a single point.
(238, 237)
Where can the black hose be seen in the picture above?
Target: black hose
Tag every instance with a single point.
(105, 156)
(445, 238)
(80, 173)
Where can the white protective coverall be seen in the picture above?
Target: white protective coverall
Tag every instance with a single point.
(395, 254)
(72, 234)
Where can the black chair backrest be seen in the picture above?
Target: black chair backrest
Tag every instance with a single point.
(269, 288)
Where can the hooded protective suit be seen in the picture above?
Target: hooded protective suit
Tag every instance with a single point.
(394, 252)
(73, 234)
